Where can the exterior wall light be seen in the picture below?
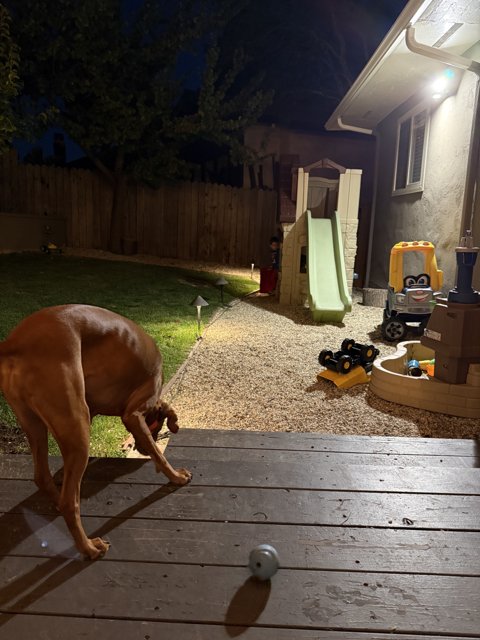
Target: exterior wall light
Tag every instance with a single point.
(442, 85)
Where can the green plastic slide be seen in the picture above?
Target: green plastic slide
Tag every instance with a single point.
(328, 293)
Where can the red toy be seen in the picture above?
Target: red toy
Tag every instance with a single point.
(268, 279)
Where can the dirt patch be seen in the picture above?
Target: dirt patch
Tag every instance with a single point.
(12, 440)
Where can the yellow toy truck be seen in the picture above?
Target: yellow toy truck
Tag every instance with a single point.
(410, 296)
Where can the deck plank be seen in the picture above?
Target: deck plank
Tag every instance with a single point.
(325, 442)
(232, 471)
(324, 458)
(238, 504)
(58, 627)
(221, 467)
(299, 547)
(322, 600)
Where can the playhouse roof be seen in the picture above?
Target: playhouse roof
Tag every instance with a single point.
(325, 163)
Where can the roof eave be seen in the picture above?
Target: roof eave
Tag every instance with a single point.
(408, 16)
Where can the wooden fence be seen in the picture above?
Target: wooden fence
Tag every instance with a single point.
(191, 221)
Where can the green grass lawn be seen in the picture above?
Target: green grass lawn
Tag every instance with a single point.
(157, 298)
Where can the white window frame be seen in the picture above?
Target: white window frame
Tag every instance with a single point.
(417, 186)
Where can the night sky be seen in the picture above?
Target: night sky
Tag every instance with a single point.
(316, 52)
(309, 52)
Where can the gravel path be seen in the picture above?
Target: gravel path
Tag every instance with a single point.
(255, 368)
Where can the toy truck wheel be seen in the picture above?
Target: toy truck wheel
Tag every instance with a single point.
(344, 364)
(324, 355)
(394, 329)
(367, 353)
(347, 345)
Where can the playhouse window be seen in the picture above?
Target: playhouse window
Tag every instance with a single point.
(411, 151)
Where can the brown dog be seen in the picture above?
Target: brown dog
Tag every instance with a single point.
(63, 365)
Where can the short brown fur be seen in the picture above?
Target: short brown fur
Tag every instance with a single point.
(63, 365)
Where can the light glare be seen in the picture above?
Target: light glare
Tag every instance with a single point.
(440, 85)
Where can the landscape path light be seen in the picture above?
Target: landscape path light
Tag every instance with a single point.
(221, 282)
(199, 302)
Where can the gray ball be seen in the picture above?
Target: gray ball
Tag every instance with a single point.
(263, 561)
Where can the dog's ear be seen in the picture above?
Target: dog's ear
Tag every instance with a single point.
(154, 419)
(167, 412)
(151, 418)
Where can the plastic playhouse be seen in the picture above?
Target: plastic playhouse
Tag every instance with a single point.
(319, 247)
(410, 297)
(452, 339)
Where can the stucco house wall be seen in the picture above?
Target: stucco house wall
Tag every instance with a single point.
(434, 214)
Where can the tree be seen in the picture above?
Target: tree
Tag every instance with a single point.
(118, 75)
(9, 80)
(309, 51)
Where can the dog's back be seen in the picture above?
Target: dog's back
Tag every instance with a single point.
(116, 355)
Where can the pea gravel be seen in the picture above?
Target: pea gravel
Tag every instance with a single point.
(256, 366)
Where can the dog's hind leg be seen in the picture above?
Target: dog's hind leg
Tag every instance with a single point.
(68, 419)
(37, 434)
(74, 450)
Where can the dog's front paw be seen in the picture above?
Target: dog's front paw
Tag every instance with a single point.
(181, 477)
(97, 548)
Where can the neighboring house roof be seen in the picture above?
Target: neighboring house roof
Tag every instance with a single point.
(394, 73)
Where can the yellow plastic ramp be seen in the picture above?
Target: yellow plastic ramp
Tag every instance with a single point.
(357, 375)
(328, 295)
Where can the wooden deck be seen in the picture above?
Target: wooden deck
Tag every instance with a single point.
(378, 538)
